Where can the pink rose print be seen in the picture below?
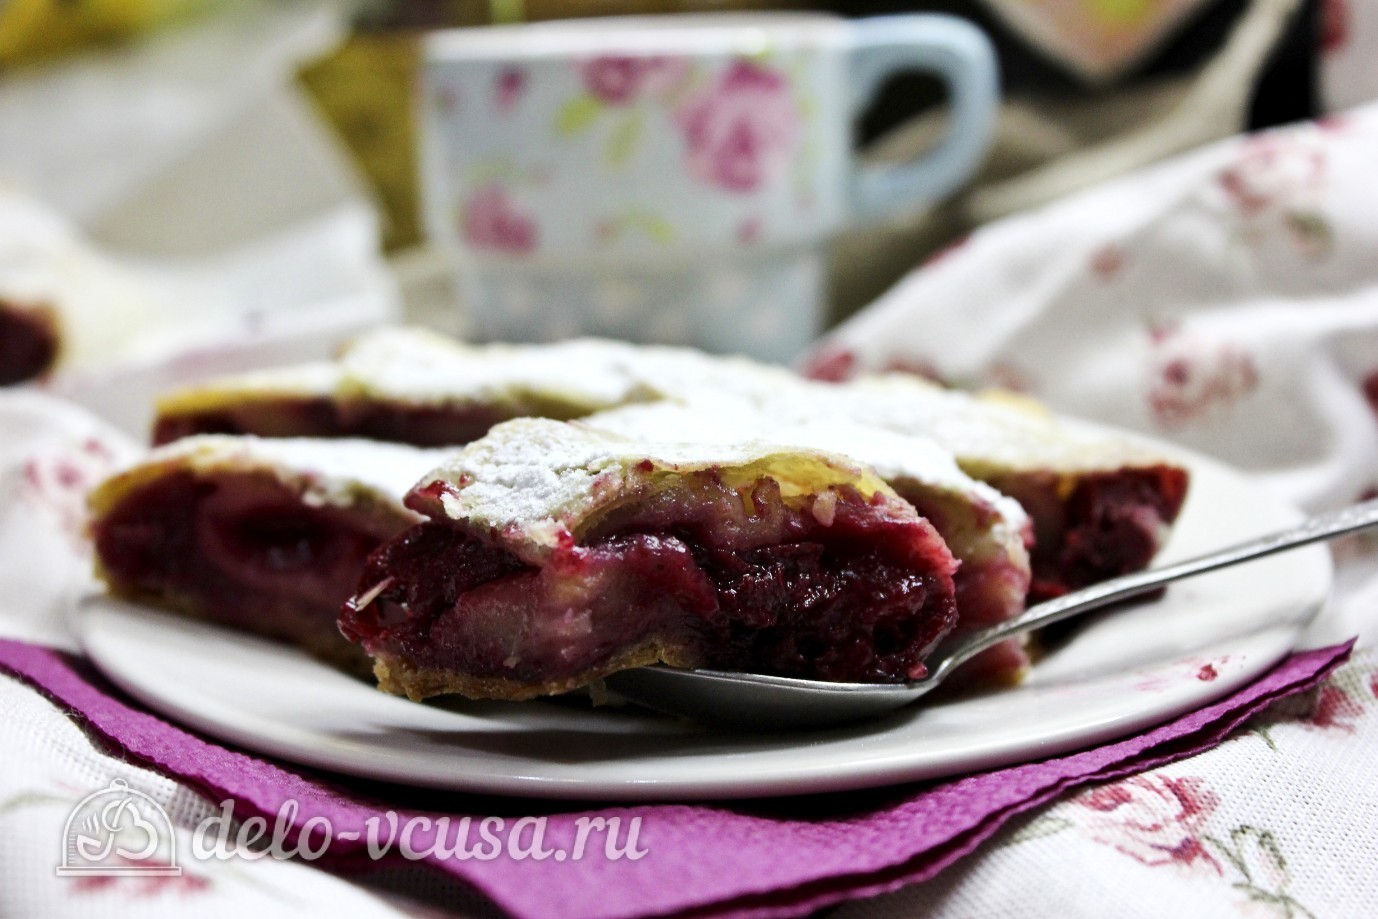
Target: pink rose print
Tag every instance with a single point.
(749, 230)
(1191, 377)
(1273, 170)
(742, 129)
(1108, 261)
(617, 79)
(1358, 547)
(509, 88)
(143, 886)
(1154, 819)
(1277, 180)
(58, 483)
(831, 364)
(1336, 709)
(492, 222)
(614, 79)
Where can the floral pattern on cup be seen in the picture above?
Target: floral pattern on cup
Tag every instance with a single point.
(621, 84)
(509, 88)
(647, 223)
(490, 220)
(620, 79)
(741, 130)
(727, 137)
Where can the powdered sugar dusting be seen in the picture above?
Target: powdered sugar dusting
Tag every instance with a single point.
(984, 433)
(895, 457)
(583, 375)
(913, 465)
(591, 375)
(340, 473)
(418, 367)
(319, 379)
(531, 480)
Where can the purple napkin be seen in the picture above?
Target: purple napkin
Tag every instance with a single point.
(773, 858)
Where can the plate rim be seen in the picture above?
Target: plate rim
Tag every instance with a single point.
(803, 777)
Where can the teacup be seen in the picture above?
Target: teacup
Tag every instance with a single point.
(674, 178)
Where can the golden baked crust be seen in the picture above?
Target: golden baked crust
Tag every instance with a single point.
(399, 677)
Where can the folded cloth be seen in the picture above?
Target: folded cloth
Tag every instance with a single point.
(758, 860)
(1226, 299)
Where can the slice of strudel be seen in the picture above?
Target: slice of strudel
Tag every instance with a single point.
(419, 387)
(987, 532)
(63, 304)
(1101, 504)
(269, 536)
(555, 554)
(403, 385)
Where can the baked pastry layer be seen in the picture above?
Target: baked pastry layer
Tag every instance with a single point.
(987, 532)
(1100, 505)
(269, 536)
(418, 387)
(555, 554)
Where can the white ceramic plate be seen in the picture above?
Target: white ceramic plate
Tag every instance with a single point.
(1123, 672)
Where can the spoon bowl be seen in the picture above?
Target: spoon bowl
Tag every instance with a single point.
(763, 702)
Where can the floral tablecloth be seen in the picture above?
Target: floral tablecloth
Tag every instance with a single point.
(1226, 300)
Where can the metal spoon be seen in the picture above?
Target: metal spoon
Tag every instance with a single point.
(758, 701)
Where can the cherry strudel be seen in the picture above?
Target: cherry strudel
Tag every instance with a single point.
(265, 535)
(1102, 505)
(555, 554)
(987, 532)
(419, 387)
(62, 303)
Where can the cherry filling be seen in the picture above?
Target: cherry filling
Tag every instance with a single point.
(419, 425)
(836, 604)
(824, 612)
(242, 550)
(28, 344)
(1111, 524)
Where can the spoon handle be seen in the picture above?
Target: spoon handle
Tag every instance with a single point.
(1314, 529)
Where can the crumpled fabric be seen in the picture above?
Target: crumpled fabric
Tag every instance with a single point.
(1226, 300)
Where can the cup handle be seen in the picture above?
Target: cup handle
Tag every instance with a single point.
(962, 56)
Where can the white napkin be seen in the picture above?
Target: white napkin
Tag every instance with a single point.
(1226, 299)
(51, 453)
